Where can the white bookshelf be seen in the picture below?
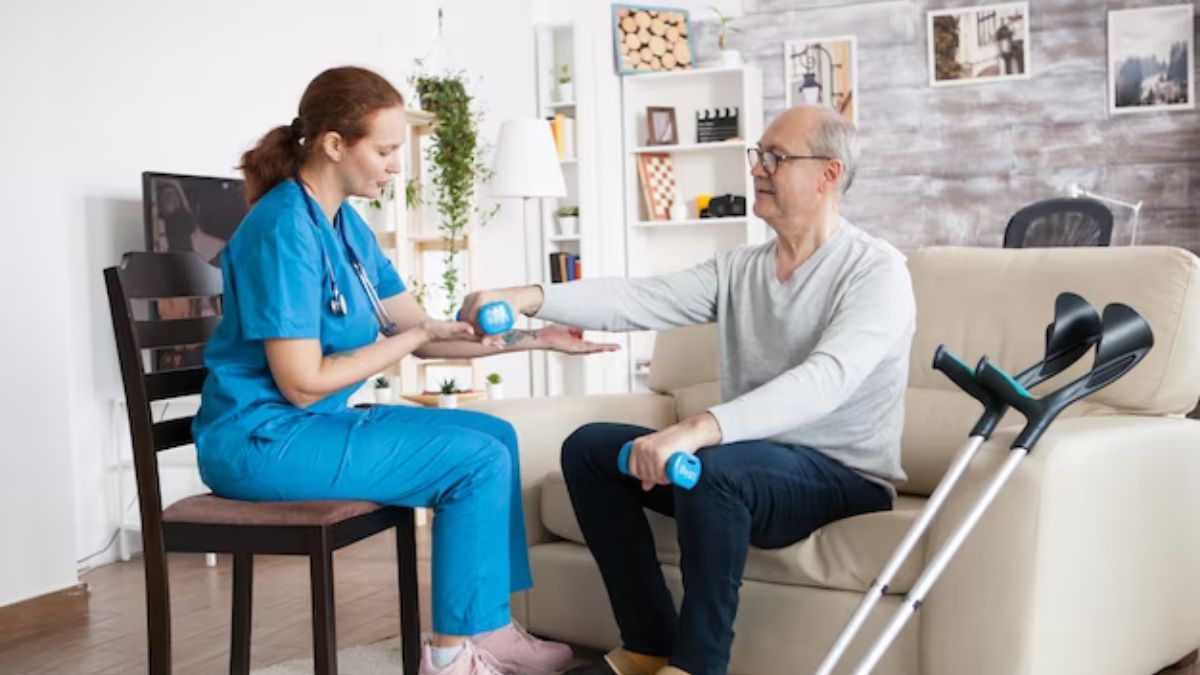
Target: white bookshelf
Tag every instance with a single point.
(711, 168)
(558, 43)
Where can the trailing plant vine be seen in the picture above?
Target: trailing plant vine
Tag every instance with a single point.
(456, 166)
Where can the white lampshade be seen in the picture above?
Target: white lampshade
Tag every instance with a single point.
(526, 161)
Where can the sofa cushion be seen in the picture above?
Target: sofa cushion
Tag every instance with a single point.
(846, 555)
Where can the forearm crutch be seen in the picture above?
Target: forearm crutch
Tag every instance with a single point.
(1125, 339)
(1076, 327)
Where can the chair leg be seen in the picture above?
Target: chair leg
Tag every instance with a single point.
(410, 605)
(158, 606)
(324, 628)
(243, 591)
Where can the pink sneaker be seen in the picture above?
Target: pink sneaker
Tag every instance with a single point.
(519, 653)
(470, 661)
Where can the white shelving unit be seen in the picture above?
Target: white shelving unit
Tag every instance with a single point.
(717, 168)
(558, 44)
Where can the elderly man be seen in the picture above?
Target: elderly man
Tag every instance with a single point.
(815, 327)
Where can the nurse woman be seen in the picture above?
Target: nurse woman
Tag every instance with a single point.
(312, 309)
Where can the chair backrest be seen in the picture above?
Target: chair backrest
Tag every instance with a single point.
(1060, 222)
(143, 278)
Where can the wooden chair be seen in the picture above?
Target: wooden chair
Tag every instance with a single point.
(208, 523)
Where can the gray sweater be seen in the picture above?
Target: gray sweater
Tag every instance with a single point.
(820, 360)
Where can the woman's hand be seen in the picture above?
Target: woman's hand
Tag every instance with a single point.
(438, 331)
(648, 460)
(569, 340)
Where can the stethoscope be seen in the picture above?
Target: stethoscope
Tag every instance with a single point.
(337, 301)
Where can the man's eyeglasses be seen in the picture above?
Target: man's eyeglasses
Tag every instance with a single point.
(770, 160)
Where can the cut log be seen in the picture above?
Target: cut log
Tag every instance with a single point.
(658, 26)
(683, 53)
(672, 34)
(642, 18)
(647, 55)
(633, 42)
(658, 45)
(628, 25)
(668, 61)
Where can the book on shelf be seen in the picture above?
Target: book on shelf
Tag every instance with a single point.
(562, 128)
(565, 267)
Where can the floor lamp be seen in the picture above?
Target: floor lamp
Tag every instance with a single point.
(527, 166)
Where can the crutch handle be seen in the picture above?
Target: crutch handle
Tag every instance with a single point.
(1125, 339)
(964, 376)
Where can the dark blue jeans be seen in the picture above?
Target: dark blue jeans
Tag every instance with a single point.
(757, 492)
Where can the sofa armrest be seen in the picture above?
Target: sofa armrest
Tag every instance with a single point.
(543, 424)
(1084, 563)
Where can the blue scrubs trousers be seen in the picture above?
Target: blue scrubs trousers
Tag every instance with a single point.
(462, 464)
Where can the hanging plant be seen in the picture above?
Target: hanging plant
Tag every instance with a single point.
(456, 166)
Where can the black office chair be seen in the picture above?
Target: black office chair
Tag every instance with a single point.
(1060, 222)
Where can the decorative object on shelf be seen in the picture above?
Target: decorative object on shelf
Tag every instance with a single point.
(702, 202)
(383, 389)
(823, 71)
(495, 387)
(1151, 52)
(456, 167)
(448, 396)
(660, 126)
(729, 58)
(566, 89)
(717, 124)
(562, 128)
(568, 220)
(725, 206)
(678, 209)
(646, 39)
(657, 174)
(987, 43)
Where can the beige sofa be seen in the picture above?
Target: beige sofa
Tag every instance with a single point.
(1088, 563)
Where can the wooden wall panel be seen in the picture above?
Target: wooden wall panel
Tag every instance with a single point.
(950, 165)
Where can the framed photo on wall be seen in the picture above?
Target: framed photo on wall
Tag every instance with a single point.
(648, 39)
(660, 126)
(1151, 59)
(823, 71)
(971, 45)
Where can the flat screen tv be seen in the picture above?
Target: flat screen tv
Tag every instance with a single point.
(196, 214)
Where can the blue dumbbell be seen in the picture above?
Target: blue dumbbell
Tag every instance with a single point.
(495, 317)
(683, 469)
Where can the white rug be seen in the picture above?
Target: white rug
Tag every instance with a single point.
(381, 658)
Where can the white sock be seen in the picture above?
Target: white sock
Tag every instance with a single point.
(444, 656)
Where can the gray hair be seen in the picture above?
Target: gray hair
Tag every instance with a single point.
(835, 136)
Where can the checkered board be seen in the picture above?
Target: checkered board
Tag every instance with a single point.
(658, 184)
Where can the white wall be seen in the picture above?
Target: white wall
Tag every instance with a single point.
(92, 95)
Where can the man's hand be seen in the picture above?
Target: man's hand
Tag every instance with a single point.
(569, 340)
(648, 460)
(525, 300)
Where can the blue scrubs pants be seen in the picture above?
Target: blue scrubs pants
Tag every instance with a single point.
(460, 463)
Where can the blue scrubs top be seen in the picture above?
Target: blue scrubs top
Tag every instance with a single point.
(277, 286)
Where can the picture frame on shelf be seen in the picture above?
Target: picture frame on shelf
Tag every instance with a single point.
(823, 71)
(975, 45)
(661, 128)
(1151, 59)
(648, 39)
(656, 172)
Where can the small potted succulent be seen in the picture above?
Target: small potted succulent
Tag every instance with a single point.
(495, 387)
(568, 220)
(566, 89)
(383, 389)
(448, 396)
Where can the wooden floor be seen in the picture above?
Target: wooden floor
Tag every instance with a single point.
(102, 632)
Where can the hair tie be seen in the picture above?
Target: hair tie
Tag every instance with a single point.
(297, 130)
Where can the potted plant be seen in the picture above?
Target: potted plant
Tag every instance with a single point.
(383, 389)
(568, 220)
(566, 90)
(495, 387)
(730, 58)
(448, 398)
(456, 166)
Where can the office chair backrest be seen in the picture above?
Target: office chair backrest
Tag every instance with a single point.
(1060, 222)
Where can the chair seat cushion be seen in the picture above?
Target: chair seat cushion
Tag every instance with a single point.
(846, 554)
(213, 510)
